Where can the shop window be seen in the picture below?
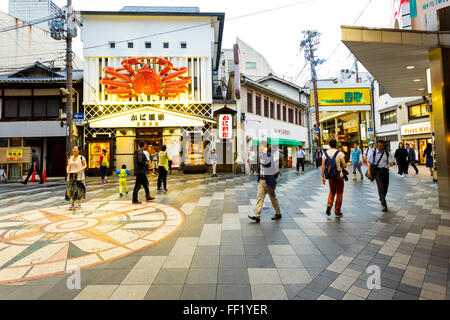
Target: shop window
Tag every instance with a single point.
(272, 109)
(112, 44)
(284, 113)
(258, 105)
(418, 111)
(148, 45)
(130, 45)
(184, 45)
(278, 111)
(250, 65)
(165, 45)
(249, 102)
(291, 115)
(266, 108)
(388, 117)
(3, 142)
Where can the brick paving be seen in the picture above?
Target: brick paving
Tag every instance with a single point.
(220, 254)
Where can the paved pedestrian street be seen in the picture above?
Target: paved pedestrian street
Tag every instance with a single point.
(196, 242)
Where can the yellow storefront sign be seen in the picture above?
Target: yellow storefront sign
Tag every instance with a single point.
(14, 155)
(343, 97)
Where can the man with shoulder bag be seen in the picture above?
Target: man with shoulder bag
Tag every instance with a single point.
(333, 170)
(379, 161)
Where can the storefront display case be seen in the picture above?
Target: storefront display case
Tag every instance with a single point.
(193, 156)
(94, 151)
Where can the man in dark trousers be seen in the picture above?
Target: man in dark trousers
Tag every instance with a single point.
(382, 160)
(34, 167)
(412, 157)
(140, 169)
(267, 181)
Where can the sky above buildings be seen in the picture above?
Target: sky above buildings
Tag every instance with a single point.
(275, 33)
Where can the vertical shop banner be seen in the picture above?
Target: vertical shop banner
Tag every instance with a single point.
(225, 126)
(422, 7)
(363, 132)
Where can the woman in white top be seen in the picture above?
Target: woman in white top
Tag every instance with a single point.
(75, 176)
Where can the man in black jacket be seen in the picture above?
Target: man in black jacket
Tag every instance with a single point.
(140, 169)
(267, 181)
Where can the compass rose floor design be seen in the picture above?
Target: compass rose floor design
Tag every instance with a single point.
(46, 242)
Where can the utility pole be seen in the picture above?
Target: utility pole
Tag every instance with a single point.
(309, 45)
(356, 69)
(69, 132)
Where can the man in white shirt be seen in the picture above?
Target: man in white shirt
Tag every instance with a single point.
(300, 159)
(382, 160)
(369, 149)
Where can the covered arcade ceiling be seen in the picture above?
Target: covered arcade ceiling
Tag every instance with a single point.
(398, 59)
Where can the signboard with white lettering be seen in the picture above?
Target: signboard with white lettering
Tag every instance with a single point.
(417, 128)
(147, 117)
(421, 7)
(225, 126)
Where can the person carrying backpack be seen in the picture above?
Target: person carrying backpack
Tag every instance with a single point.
(333, 164)
(104, 164)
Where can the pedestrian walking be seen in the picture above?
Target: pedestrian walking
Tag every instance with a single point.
(379, 162)
(428, 154)
(155, 162)
(213, 158)
(319, 156)
(163, 169)
(411, 157)
(251, 162)
(356, 159)
(267, 181)
(104, 165)
(369, 149)
(123, 174)
(75, 177)
(300, 159)
(147, 156)
(34, 167)
(401, 156)
(333, 166)
(140, 169)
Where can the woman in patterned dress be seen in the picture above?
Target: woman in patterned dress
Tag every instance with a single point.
(75, 176)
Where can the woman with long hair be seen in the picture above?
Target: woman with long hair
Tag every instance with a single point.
(428, 154)
(75, 177)
(401, 155)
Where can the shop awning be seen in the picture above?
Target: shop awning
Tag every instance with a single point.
(398, 59)
(280, 142)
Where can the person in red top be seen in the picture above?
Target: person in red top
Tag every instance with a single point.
(104, 164)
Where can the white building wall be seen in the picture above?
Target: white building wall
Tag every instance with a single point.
(22, 47)
(283, 89)
(28, 10)
(246, 54)
(98, 31)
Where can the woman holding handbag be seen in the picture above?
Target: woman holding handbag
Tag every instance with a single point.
(75, 177)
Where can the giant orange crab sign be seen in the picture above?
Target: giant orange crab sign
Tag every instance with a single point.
(127, 83)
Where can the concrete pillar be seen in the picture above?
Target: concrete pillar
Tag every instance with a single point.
(440, 83)
(125, 148)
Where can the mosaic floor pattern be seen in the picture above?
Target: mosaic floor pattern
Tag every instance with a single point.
(50, 241)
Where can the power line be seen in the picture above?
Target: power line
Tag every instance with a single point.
(340, 42)
(203, 24)
(27, 24)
